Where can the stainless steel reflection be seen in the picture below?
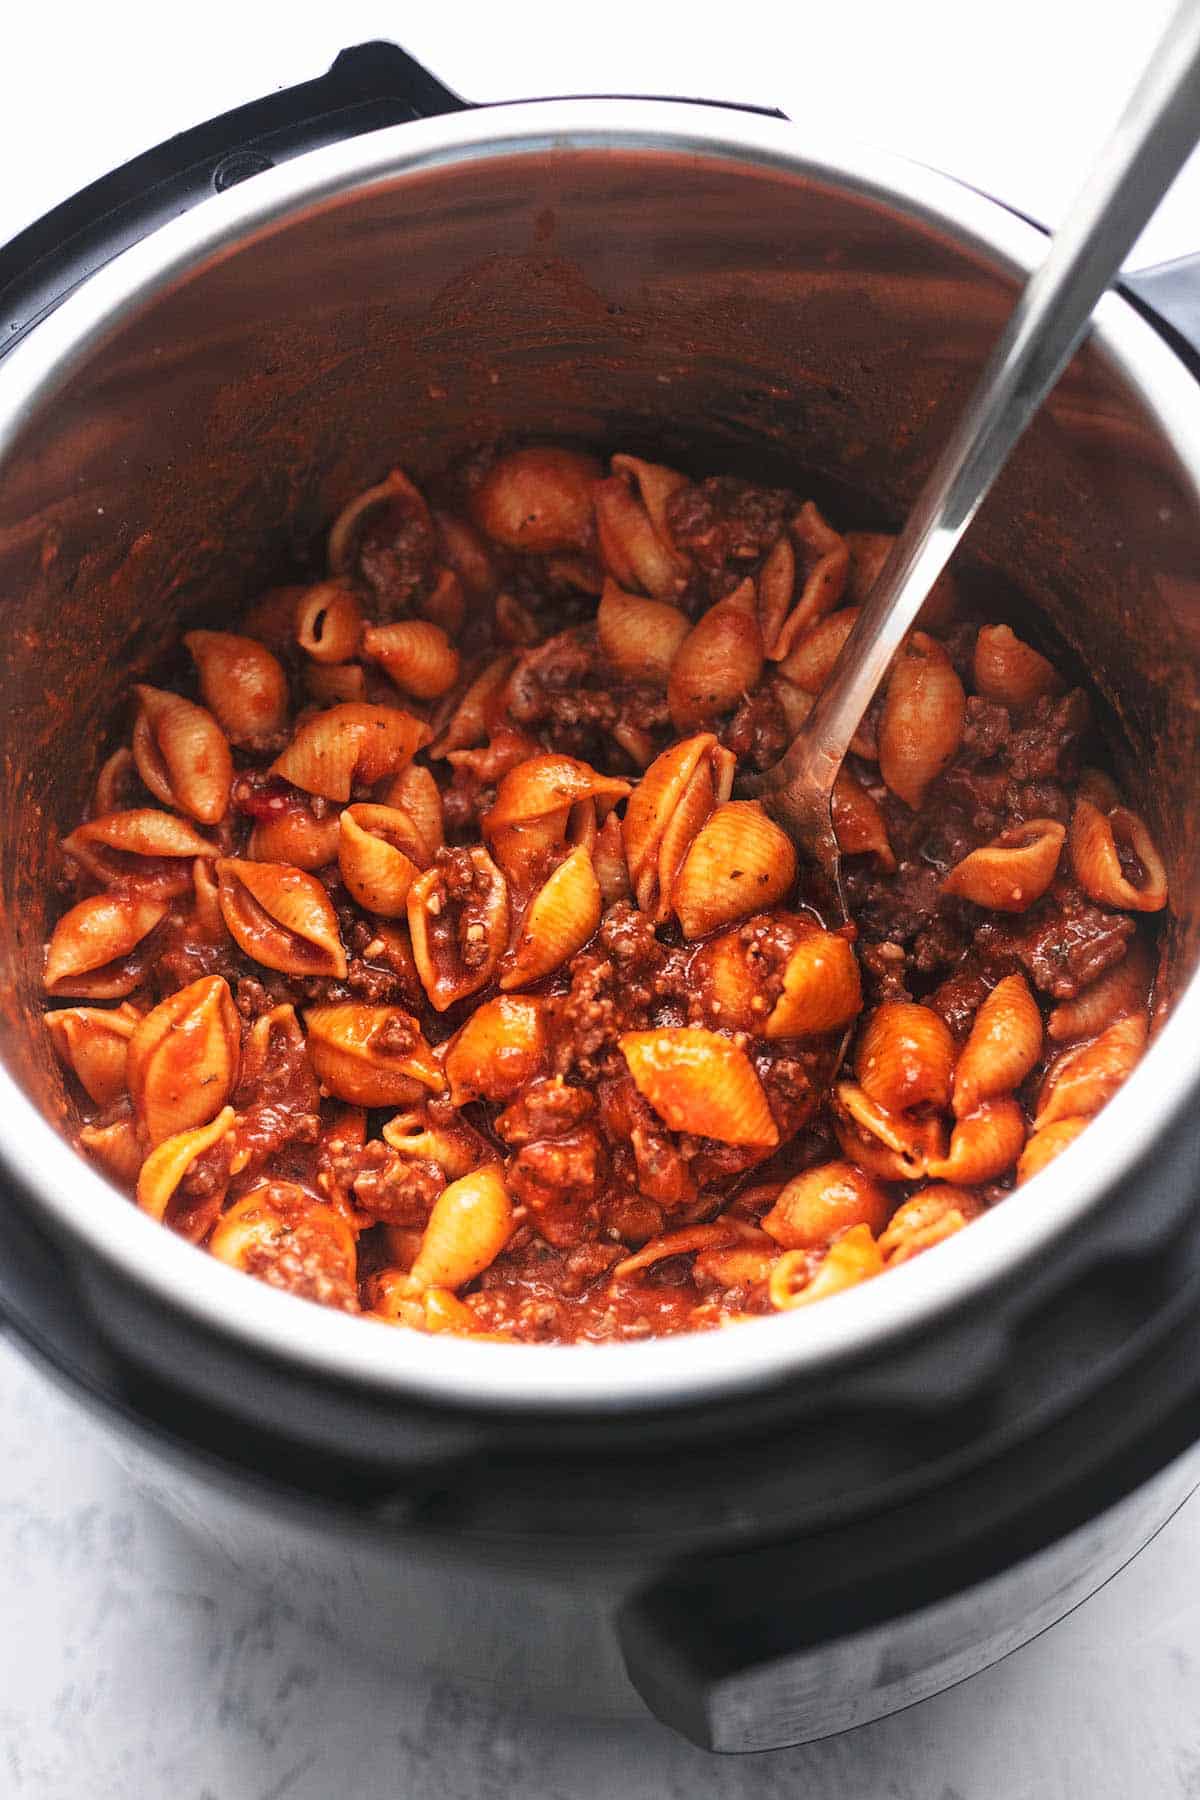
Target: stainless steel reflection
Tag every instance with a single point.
(1133, 170)
(638, 273)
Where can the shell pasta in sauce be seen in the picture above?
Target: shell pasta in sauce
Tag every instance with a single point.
(422, 960)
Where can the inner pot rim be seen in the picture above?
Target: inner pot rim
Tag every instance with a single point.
(84, 1207)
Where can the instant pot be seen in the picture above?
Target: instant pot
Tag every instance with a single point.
(768, 1533)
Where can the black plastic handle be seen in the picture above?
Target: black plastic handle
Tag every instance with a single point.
(368, 87)
(1168, 295)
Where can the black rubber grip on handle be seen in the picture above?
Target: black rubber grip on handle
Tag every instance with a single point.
(1168, 295)
(368, 87)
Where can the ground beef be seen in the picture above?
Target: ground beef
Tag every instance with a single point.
(725, 524)
(1064, 942)
(556, 1180)
(986, 727)
(884, 967)
(547, 1109)
(395, 556)
(758, 734)
(959, 997)
(303, 1258)
(1047, 743)
(398, 1190)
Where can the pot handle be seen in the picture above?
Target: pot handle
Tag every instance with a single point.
(1168, 295)
(368, 87)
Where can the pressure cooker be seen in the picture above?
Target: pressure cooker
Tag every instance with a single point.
(765, 1534)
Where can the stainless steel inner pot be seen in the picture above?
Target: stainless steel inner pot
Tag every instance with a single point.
(718, 290)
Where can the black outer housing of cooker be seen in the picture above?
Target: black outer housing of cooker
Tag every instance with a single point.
(1072, 1385)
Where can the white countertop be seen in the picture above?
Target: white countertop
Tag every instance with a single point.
(132, 1669)
(128, 1666)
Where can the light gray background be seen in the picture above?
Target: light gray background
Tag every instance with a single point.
(129, 1666)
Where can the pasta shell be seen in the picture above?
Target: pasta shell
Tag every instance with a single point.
(182, 754)
(499, 1050)
(480, 709)
(822, 1203)
(329, 622)
(296, 838)
(114, 783)
(417, 655)
(458, 938)
(809, 662)
(639, 637)
(1096, 858)
(332, 750)
(281, 917)
(1123, 989)
(370, 1055)
(445, 1312)
(731, 978)
(415, 792)
(608, 860)
(545, 784)
(858, 823)
(906, 1057)
(204, 920)
(700, 1082)
(470, 1224)
(445, 605)
(395, 495)
(335, 684)
(538, 499)
(242, 684)
(887, 1145)
(1085, 1079)
(93, 1044)
(655, 483)
(825, 564)
(515, 624)
(928, 1218)
(739, 862)
(666, 809)
(634, 553)
(1011, 872)
(1009, 671)
(156, 849)
(922, 722)
(774, 587)
(456, 1149)
(1004, 1045)
(869, 550)
(822, 988)
(467, 554)
(380, 854)
(206, 923)
(116, 1147)
(718, 662)
(687, 1241)
(1046, 1144)
(183, 1059)
(853, 1258)
(525, 851)
(92, 953)
(559, 920)
(169, 1162)
(281, 1235)
(983, 1145)
(272, 617)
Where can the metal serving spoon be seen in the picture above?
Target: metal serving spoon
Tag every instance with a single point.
(1153, 138)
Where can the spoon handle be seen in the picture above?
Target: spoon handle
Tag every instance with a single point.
(1152, 140)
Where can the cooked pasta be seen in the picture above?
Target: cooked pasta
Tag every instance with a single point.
(419, 957)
